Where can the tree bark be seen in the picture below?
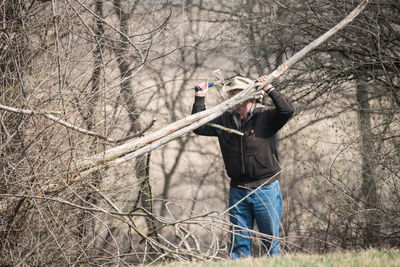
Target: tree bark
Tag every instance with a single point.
(142, 163)
(368, 185)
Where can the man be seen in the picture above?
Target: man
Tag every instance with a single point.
(251, 161)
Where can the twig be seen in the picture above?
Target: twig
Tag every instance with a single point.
(229, 130)
(28, 112)
(137, 134)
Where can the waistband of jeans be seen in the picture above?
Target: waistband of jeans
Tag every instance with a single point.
(257, 183)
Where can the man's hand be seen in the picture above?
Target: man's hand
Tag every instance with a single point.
(268, 88)
(204, 89)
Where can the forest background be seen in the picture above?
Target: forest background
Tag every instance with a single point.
(80, 77)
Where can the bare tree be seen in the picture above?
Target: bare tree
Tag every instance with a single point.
(79, 78)
(355, 72)
(14, 51)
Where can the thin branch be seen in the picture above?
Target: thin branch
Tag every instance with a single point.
(123, 139)
(28, 112)
(229, 130)
(76, 128)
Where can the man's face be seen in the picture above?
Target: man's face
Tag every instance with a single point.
(241, 108)
(234, 92)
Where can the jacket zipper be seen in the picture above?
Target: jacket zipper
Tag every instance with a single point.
(241, 155)
(244, 126)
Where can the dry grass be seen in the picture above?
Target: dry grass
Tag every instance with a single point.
(360, 258)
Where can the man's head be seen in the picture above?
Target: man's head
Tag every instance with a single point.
(235, 86)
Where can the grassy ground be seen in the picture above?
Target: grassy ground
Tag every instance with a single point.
(361, 259)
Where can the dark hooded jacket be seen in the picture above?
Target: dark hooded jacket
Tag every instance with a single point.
(252, 159)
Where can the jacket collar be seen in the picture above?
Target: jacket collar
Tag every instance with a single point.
(240, 122)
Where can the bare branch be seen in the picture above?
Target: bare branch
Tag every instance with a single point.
(229, 130)
(76, 128)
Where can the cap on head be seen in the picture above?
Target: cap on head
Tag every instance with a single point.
(237, 82)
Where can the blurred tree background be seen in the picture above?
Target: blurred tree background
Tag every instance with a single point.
(111, 66)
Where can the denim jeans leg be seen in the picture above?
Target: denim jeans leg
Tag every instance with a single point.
(242, 218)
(267, 202)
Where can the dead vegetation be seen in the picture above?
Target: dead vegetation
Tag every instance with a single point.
(79, 79)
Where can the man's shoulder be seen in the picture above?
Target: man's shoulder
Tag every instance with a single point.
(259, 108)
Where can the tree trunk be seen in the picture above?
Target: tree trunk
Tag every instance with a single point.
(368, 187)
(124, 62)
(86, 223)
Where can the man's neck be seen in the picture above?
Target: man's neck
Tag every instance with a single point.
(245, 109)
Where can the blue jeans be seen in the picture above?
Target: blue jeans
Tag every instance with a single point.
(265, 207)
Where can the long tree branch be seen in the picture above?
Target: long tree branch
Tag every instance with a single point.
(137, 147)
(74, 127)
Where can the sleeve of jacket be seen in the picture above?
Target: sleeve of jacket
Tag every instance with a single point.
(204, 129)
(280, 115)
